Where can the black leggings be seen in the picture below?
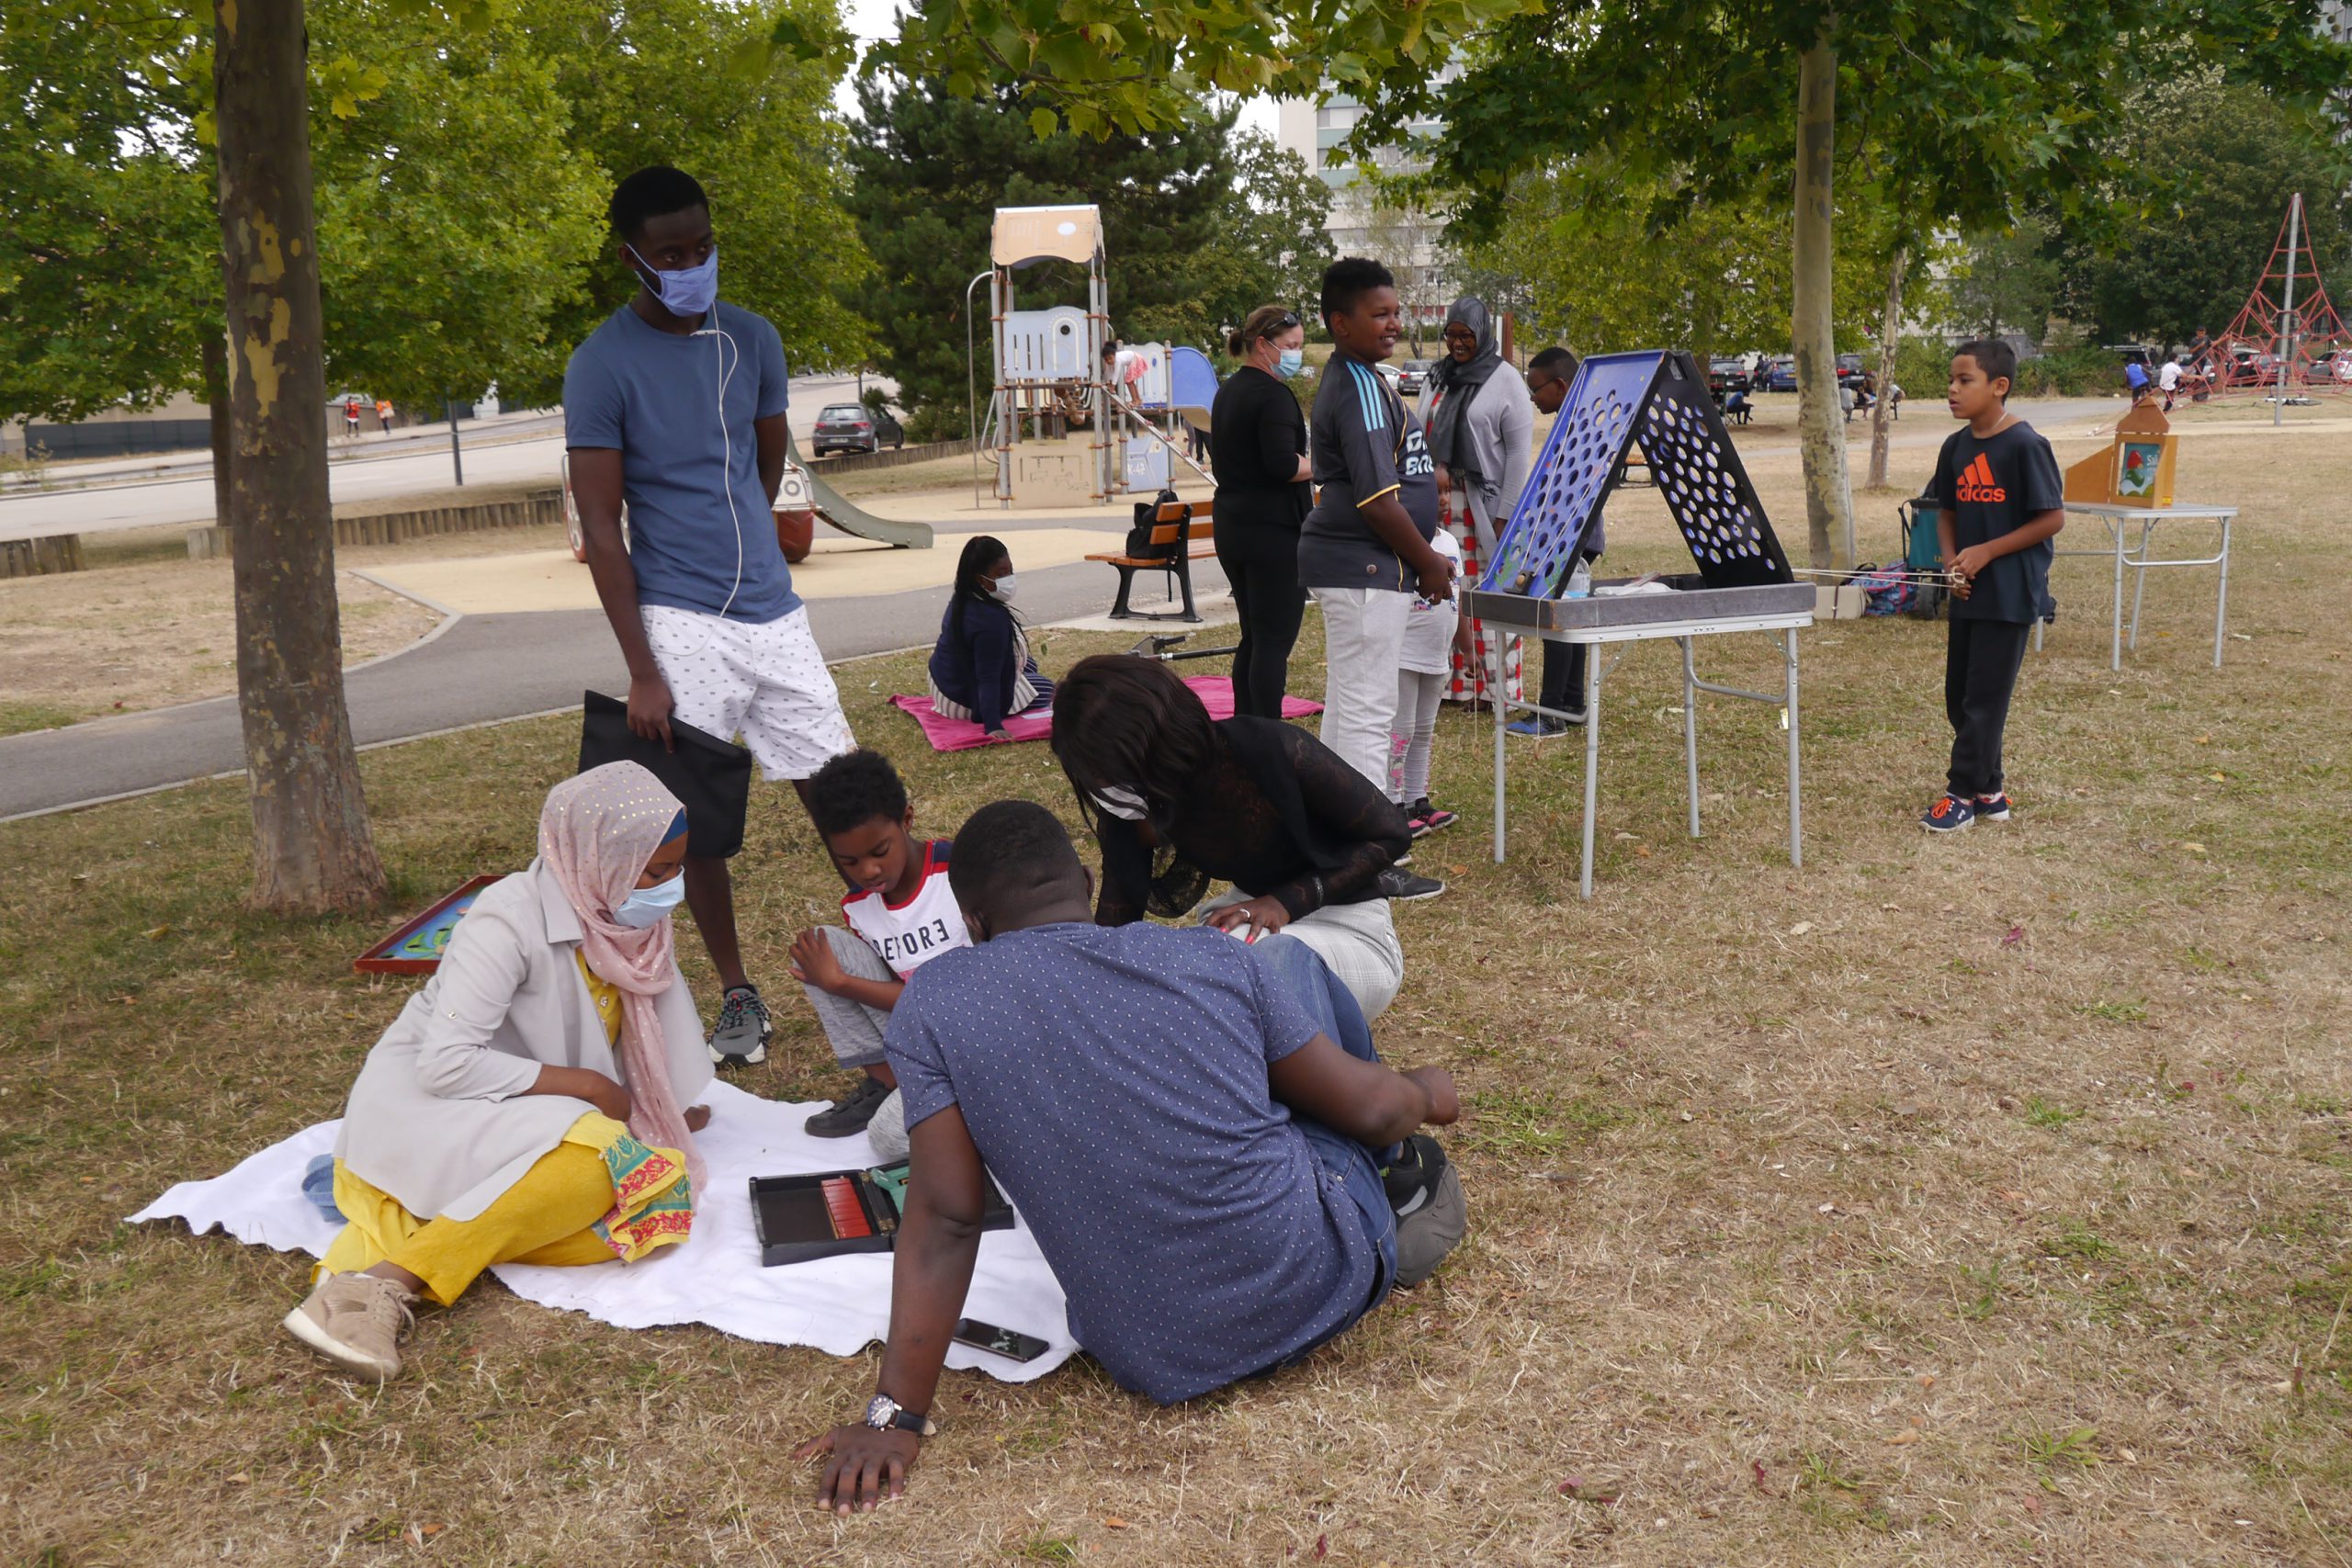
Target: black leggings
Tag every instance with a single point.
(1264, 575)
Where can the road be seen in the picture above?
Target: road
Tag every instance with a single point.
(481, 668)
(182, 493)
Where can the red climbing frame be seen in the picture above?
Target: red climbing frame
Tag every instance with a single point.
(2247, 357)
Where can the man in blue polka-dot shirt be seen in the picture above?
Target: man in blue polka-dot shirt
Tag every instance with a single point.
(1194, 1129)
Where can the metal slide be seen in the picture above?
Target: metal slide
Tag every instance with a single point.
(835, 508)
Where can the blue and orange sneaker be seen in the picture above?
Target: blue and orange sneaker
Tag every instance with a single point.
(1991, 808)
(1949, 815)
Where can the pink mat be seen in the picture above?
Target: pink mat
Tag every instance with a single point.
(1216, 693)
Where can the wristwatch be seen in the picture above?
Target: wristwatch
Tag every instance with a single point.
(883, 1413)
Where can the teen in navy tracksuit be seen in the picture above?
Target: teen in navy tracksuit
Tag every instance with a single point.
(2001, 500)
(981, 669)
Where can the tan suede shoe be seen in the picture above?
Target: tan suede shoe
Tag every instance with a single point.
(357, 1321)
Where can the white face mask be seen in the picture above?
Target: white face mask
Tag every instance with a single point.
(1124, 803)
(1005, 587)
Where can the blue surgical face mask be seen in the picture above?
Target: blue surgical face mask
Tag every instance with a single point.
(1292, 360)
(649, 905)
(689, 292)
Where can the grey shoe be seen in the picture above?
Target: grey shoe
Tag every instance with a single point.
(1425, 1190)
(1403, 887)
(357, 1321)
(739, 1039)
(852, 1111)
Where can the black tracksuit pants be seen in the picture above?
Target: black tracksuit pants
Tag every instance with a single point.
(1980, 676)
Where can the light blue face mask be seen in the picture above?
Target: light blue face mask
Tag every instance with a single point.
(689, 292)
(649, 905)
(1292, 360)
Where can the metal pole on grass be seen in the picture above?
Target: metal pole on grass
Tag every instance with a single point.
(457, 458)
(2287, 354)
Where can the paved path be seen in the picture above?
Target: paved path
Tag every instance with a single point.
(478, 669)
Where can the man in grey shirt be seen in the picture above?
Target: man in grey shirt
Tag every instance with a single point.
(1365, 551)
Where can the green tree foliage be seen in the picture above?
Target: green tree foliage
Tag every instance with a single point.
(109, 252)
(1190, 245)
(2006, 279)
(2220, 161)
(665, 81)
(461, 168)
(1712, 276)
(455, 210)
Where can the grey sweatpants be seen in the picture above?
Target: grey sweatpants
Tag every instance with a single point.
(854, 1031)
(851, 1029)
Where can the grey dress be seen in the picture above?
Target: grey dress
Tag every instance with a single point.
(439, 1117)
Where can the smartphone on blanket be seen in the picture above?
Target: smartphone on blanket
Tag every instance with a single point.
(1009, 1343)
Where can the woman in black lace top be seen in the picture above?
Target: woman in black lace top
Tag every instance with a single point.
(1178, 800)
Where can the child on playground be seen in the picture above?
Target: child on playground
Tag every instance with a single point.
(1431, 629)
(2001, 502)
(899, 914)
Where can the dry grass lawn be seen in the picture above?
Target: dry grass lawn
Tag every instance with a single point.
(1956, 1202)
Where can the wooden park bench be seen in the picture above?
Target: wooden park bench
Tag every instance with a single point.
(1184, 530)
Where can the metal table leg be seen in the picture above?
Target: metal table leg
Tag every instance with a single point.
(1796, 799)
(2139, 586)
(2221, 598)
(1592, 757)
(1690, 729)
(2115, 640)
(1501, 712)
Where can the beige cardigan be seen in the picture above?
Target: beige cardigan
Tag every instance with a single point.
(439, 1117)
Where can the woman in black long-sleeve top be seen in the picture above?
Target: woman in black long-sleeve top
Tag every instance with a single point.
(1258, 443)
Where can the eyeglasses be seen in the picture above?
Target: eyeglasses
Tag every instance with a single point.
(1284, 325)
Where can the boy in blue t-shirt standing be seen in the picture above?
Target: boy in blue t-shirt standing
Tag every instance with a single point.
(676, 405)
(2001, 500)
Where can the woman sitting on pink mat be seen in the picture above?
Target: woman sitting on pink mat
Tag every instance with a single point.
(981, 669)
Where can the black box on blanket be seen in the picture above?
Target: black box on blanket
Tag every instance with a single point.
(798, 1218)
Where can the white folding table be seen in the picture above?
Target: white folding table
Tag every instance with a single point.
(1683, 617)
(2118, 519)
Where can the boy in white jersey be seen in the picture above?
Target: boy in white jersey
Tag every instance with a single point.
(900, 914)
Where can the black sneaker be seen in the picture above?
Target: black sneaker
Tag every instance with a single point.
(851, 1112)
(1991, 808)
(739, 1039)
(1409, 1176)
(1403, 887)
(1425, 1193)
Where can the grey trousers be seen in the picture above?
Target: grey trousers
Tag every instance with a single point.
(854, 1031)
(1358, 942)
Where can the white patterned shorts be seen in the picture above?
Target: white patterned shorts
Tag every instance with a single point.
(765, 683)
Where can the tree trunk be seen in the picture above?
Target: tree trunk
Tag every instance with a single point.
(312, 851)
(1821, 429)
(1890, 328)
(216, 397)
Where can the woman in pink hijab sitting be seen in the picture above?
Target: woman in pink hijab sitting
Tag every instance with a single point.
(528, 1104)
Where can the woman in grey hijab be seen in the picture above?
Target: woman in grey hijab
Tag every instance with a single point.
(1481, 431)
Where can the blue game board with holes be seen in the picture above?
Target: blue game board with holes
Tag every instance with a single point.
(1656, 398)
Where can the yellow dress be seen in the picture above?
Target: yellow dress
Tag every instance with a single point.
(598, 1195)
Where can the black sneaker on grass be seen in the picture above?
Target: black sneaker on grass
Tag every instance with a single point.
(851, 1112)
(1991, 808)
(739, 1039)
(1425, 1193)
(1405, 887)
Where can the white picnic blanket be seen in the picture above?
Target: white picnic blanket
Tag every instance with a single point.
(837, 1304)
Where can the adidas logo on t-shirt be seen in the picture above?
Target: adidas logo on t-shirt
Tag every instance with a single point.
(1976, 483)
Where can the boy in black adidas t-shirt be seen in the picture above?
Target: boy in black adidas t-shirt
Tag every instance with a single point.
(2002, 500)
